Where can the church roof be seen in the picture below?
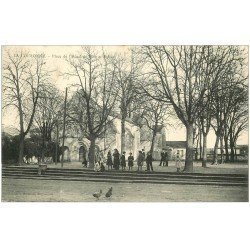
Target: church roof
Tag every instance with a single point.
(176, 144)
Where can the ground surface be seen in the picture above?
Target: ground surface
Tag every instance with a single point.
(49, 190)
(227, 168)
(69, 191)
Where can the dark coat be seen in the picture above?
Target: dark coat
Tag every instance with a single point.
(149, 158)
(123, 160)
(144, 156)
(166, 156)
(109, 160)
(140, 159)
(116, 160)
(163, 156)
(131, 160)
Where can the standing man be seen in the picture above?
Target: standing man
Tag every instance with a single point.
(130, 161)
(140, 161)
(123, 161)
(166, 158)
(144, 156)
(149, 161)
(162, 158)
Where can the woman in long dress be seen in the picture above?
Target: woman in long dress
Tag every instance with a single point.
(116, 156)
(109, 160)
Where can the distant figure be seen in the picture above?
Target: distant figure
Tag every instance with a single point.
(130, 161)
(109, 160)
(102, 168)
(97, 158)
(162, 158)
(144, 156)
(84, 161)
(116, 156)
(149, 160)
(97, 167)
(123, 161)
(166, 158)
(178, 162)
(89, 156)
(140, 161)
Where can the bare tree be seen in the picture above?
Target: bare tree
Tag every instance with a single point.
(127, 73)
(48, 114)
(227, 93)
(193, 79)
(91, 107)
(156, 114)
(176, 73)
(237, 121)
(24, 80)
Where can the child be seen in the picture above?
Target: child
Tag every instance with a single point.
(97, 167)
(178, 162)
(102, 168)
(123, 161)
(130, 161)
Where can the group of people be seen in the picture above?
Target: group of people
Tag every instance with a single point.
(164, 158)
(117, 161)
(120, 161)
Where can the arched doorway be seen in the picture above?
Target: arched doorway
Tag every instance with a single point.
(82, 152)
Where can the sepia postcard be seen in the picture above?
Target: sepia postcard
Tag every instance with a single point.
(149, 123)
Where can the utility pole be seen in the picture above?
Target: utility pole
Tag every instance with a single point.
(57, 141)
(104, 150)
(64, 118)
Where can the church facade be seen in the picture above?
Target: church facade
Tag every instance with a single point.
(75, 146)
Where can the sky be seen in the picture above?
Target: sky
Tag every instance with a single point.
(56, 55)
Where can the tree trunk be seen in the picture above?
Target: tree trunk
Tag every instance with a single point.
(189, 149)
(232, 154)
(201, 149)
(204, 152)
(123, 139)
(92, 153)
(215, 158)
(221, 150)
(21, 150)
(153, 142)
(226, 147)
(43, 142)
(197, 146)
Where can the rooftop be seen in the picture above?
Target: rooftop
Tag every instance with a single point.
(175, 144)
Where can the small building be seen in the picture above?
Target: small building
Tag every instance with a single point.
(174, 147)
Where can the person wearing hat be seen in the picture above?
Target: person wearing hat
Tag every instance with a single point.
(140, 161)
(123, 161)
(162, 158)
(130, 161)
(166, 158)
(149, 160)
